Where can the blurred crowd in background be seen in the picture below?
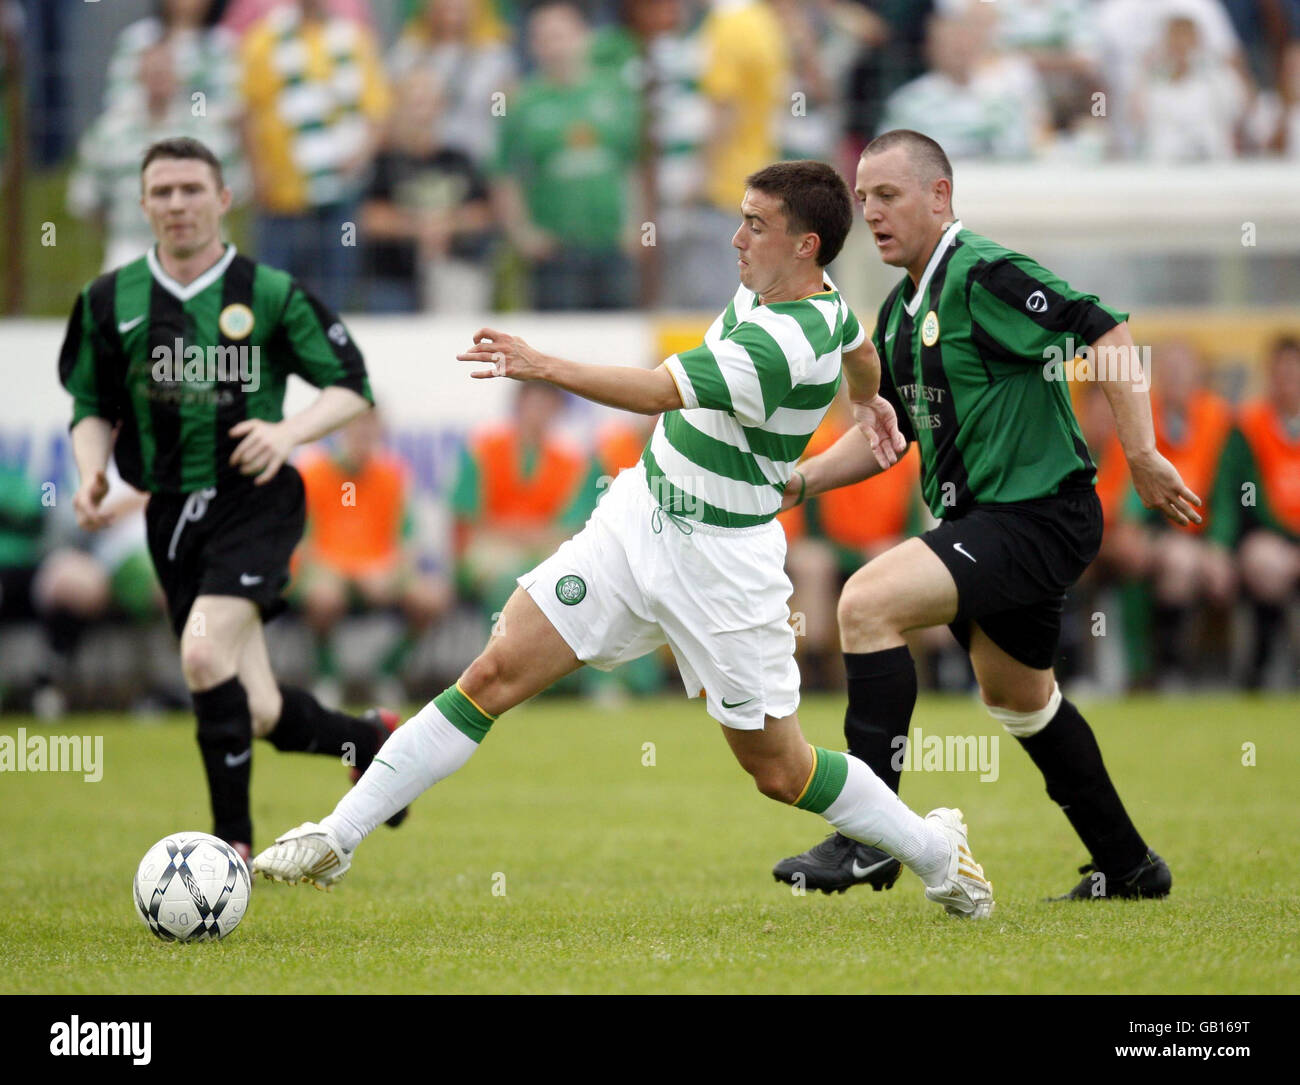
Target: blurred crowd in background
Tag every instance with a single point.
(461, 155)
(452, 155)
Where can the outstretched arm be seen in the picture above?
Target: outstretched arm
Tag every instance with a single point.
(1127, 390)
(645, 391)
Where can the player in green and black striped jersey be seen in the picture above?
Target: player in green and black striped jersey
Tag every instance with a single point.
(181, 365)
(177, 365)
(972, 343)
(968, 344)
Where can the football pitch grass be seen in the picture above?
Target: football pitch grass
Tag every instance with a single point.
(559, 860)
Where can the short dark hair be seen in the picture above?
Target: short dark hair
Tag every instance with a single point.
(923, 151)
(815, 199)
(183, 147)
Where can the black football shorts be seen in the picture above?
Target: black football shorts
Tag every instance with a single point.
(236, 540)
(1013, 564)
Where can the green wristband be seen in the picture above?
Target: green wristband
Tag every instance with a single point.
(803, 487)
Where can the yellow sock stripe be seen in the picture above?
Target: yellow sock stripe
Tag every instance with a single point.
(811, 775)
(474, 702)
(463, 714)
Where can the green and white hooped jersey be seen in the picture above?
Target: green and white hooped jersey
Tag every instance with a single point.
(752, 395)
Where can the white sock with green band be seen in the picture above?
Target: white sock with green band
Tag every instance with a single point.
(859, 804)
(428, 747)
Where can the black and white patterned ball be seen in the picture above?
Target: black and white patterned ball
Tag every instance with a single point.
(191, 887)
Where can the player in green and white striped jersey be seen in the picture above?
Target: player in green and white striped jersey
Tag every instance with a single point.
(752, 394)
(684, 549)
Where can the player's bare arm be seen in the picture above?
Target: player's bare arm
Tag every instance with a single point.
(266, 445)
(92, 441)
(873, 413)
(850, 459)
(629, 388)
(1156, 480)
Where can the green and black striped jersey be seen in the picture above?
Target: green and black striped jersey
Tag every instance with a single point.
(178, 365)
(966, 364)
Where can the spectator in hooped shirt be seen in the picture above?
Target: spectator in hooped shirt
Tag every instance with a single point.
(317, 100)
(105, 184)
(172, 73)
(451, 43)
(976, 102)
(202, 54)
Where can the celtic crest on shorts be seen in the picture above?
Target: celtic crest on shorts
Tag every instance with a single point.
(570, 590)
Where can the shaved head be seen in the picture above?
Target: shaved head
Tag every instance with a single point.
(904, 182)
(928, 160)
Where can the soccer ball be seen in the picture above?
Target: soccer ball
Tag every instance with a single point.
(191, 887)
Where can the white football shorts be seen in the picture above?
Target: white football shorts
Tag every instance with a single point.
(635, 578)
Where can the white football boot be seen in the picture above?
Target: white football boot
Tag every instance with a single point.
(965, 892)
(308, 853)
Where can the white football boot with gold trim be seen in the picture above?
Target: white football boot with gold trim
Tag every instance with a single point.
(965, 892)
(309, 853)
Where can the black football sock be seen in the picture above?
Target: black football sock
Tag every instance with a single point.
(882, 695)
(226, 743)
(1067, 754)
(307, 726)
(1268, 625)
(63, 631)
(1169, 626)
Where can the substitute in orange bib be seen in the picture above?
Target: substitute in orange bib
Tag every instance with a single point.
(1188, 566)
(518, 494)
(1259, 499)
(358, 553)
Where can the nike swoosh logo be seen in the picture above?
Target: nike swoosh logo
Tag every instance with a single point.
(889, 337)
(958, 548)
(249, 581)
(725, 704)
(863, 871)
(233, 761)
(127, 325)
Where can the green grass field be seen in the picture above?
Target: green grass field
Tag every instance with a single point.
(620, 877)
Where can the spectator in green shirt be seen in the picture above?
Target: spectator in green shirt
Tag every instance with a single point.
(567, 143)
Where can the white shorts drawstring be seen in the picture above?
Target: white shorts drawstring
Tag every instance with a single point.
(193, 511)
